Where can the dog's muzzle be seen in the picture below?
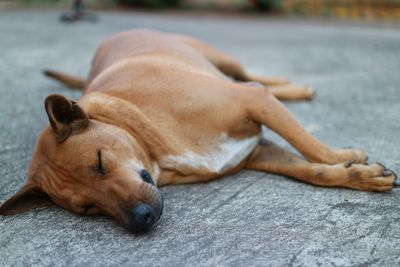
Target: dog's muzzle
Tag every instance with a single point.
(144, 216)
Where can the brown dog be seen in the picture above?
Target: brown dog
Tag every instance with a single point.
(168, 109)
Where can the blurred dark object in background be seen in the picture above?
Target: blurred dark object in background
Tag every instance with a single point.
(266, 5)
(78, 13)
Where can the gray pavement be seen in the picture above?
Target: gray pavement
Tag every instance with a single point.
(247, 219)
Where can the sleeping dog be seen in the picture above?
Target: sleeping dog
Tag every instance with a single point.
(162, 109)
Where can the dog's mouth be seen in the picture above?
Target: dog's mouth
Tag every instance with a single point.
(161, 196)
(159, 207)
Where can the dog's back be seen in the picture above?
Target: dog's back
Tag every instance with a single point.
(134, 44)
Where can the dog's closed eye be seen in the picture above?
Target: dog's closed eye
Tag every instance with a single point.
(100, 166)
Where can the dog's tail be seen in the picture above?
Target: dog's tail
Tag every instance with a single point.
(72, 82)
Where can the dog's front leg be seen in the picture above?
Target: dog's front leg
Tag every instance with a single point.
(265, 109)
(169, 177)
(269, 157)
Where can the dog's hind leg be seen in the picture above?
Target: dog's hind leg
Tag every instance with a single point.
(269, 157)
(291, 92)
(280, 87)
(226, 63)
(265, 109)
(288, 92)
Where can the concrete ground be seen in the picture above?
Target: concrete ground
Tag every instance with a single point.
(247, 219)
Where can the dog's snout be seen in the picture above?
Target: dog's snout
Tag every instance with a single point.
(141, 218)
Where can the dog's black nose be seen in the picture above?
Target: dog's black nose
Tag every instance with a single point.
(141, 218)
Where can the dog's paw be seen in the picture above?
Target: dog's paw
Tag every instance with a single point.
(374, 177)
(309, 93)
(303, 92)
(292, 92)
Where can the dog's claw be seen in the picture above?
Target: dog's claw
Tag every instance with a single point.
(394, 174)
(349, 163)
(396, 183)
(387, 172)
(380, 164)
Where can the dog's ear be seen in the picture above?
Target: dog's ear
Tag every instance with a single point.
(26, 199)
(65, 116)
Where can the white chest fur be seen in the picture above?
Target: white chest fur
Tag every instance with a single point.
(228, 153)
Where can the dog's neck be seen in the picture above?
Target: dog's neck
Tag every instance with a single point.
(126, 115)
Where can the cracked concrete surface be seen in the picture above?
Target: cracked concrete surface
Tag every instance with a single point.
(249, 218)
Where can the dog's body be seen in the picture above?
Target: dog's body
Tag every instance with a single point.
(163, 108)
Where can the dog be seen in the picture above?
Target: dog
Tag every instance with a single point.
(161, 109)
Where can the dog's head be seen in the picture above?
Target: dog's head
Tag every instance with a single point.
(89, 167)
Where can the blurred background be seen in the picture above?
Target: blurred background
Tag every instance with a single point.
(381, 10)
